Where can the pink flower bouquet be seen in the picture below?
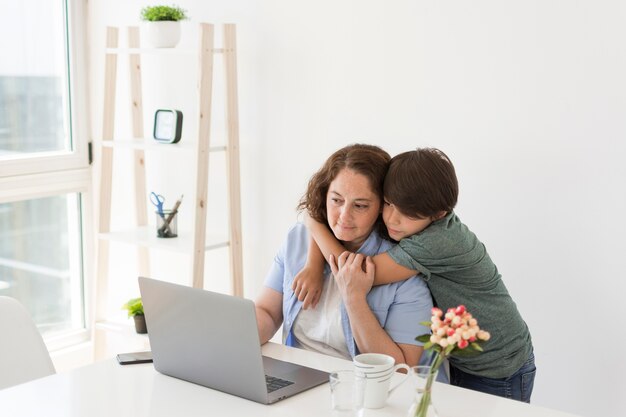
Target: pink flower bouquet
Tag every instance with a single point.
(455, 333)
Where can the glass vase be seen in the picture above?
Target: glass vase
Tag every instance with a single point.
(422, 378)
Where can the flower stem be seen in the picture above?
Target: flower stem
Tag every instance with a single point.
(422, 408)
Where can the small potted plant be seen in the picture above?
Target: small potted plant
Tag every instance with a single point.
(162, 25)
(134, 307)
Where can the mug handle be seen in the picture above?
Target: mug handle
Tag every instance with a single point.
(405, 376)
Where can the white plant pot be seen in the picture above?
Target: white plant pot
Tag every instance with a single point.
(164, 34)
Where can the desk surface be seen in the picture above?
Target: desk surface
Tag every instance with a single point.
(108, 389)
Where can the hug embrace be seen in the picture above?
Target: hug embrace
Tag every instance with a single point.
(380, 245)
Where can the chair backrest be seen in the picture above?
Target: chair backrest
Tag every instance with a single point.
(23, 354)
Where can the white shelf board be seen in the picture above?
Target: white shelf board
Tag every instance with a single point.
(146, 236)
(158, 51)
(152, 145)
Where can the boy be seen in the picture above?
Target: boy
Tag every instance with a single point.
(421, 191)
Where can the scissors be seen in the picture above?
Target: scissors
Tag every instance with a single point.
(157, 200)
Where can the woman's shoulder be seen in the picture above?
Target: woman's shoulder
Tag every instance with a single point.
(410, 290)
(297, 235)
(385, 245)
(375, 244)
(297, 229)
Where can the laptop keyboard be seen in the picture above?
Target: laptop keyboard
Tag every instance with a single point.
(274, 383)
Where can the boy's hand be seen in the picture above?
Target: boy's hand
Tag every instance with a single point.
(307, 286)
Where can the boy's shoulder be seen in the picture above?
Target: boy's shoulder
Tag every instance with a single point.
(449, 224)
(440, 234)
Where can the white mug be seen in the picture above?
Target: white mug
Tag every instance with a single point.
(378, 369)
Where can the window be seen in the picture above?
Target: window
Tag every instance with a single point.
(40, 259)
(44, 168)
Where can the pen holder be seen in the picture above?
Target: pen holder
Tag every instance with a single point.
(167, 224)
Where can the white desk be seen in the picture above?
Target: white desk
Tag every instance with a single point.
(108, 389)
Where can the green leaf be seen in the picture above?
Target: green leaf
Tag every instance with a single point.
(425, 323)
(472, 349)
(449, 349)
(423, 338)
(161, 13)
(476, 346)
(134, 307)
(428, 345)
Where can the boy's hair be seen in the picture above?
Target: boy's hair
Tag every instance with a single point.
(422, 183)
(367, 160)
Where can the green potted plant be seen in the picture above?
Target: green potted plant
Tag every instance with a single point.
(134, 307)
(162, 25)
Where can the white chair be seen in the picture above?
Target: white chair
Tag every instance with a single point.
(23, 354)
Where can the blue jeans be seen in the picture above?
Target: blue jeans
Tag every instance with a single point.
(518, 386)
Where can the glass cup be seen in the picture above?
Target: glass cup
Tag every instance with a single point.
(347, 391)
(423, 378)
(169, 230)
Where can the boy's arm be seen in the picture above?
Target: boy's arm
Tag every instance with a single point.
(308, 283)
(325, 240)
(387, 270)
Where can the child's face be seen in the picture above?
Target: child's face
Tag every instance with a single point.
(400, 225)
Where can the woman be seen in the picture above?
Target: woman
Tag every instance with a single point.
(351, 317)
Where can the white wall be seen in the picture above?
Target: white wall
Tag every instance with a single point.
(527, 98)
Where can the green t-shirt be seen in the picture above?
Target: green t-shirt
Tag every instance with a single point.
(458, 270)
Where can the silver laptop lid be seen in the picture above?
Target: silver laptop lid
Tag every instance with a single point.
(204, 337)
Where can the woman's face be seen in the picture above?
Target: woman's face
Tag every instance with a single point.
(352, 208)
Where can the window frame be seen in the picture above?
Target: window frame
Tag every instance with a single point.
(76, 81)
(54, 173)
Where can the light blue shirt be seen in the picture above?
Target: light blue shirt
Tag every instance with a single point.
(399, 307)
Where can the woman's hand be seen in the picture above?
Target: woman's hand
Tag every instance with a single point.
(354, 274)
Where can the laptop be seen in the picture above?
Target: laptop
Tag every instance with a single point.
(212, 340)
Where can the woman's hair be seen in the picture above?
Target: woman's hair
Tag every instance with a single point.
(367, 160)
(422, 183)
